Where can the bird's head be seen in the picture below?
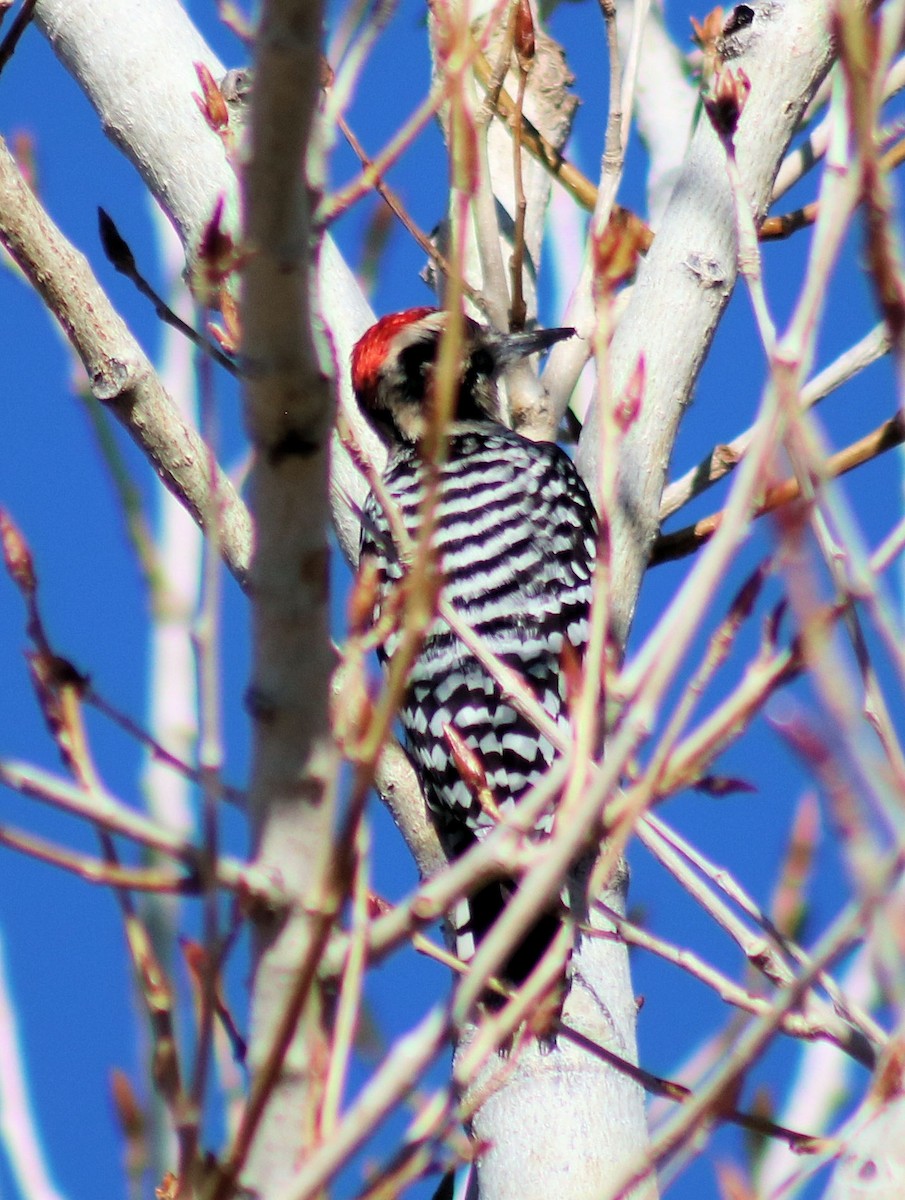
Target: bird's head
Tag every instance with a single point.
(393, 370)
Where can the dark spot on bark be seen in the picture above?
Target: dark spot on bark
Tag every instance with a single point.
(236, 85)
(742, 16)
(259, 706)
(111, 380)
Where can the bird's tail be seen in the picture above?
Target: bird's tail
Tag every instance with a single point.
(473, 918)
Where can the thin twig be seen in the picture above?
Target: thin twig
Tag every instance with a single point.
(93, 870)
(776, 228)
(397, 207)
(101, 808)
(121, 257)
(20, 23)
(686, 541)
(156, 750)
(724, 458)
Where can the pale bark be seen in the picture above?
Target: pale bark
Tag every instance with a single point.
(562, 1121)
(172, 695)
(689, 273)
(872, 1167)
(664, 102)
(29, 1165)
(289, 418)
(134, 60)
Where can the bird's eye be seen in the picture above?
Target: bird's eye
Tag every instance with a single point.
(413, 362)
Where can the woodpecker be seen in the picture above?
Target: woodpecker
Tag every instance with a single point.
(515, 538)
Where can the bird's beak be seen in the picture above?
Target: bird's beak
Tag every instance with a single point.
(510, 347)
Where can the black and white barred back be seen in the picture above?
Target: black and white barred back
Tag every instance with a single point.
(515, 538)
